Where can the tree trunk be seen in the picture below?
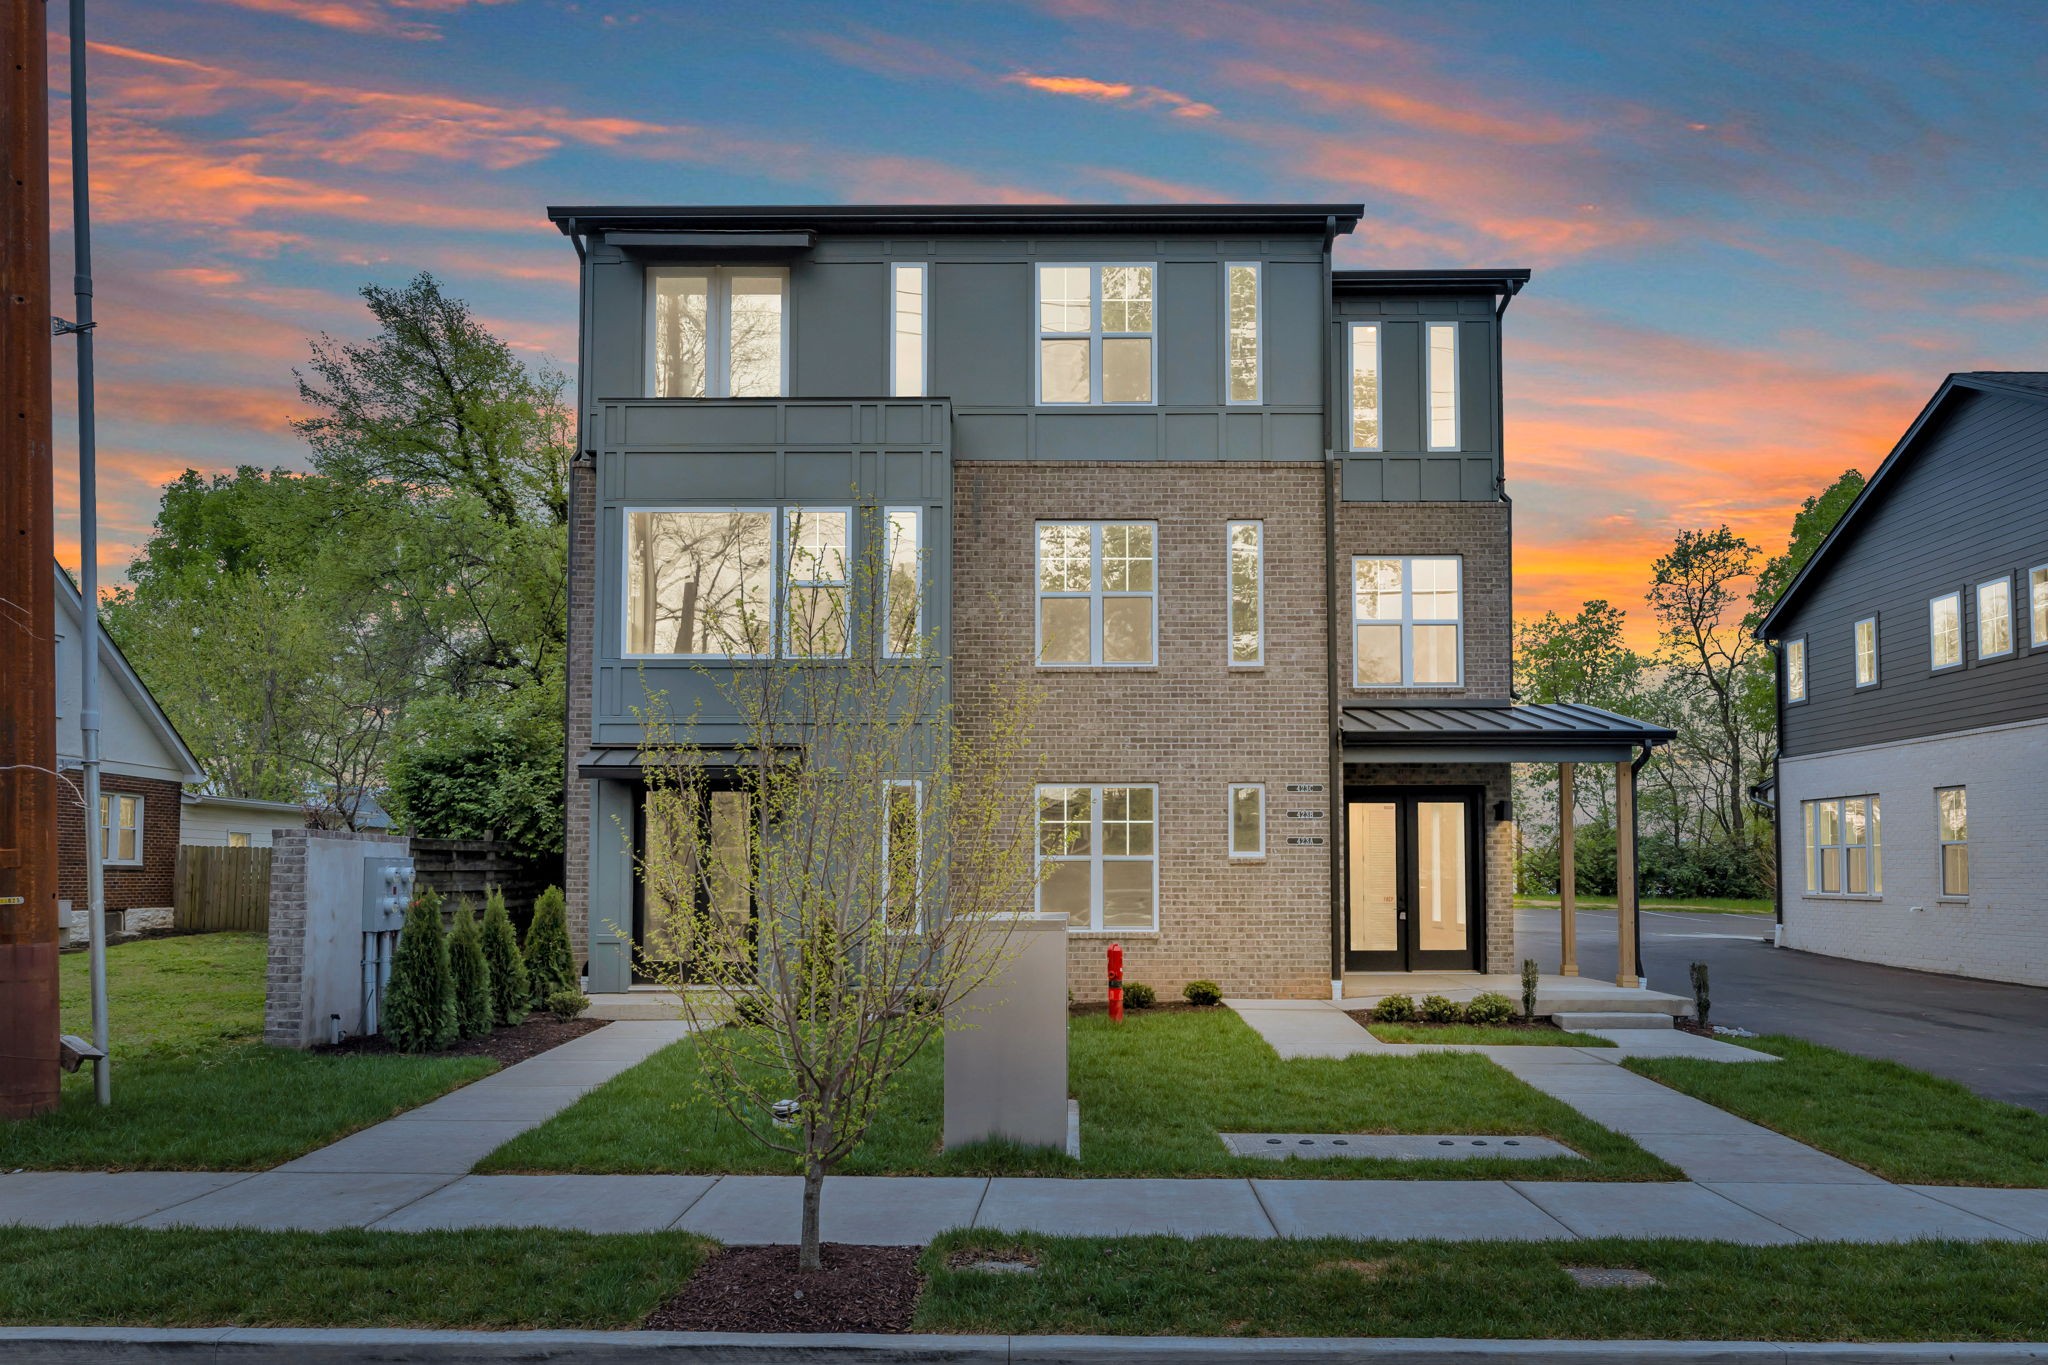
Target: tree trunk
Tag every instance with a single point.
(807, 1258)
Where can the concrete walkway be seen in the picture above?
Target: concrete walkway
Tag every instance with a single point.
(1316, 1028)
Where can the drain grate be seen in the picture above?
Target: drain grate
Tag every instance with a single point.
(1605, 1277)
(1393, 1146)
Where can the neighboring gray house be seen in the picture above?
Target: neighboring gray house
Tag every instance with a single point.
(1913, 690)
(1240, 514)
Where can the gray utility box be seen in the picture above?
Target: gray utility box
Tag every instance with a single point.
(1006, 1044)
(387, 890)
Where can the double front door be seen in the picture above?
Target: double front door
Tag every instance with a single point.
(695, 848)
(1412, 861)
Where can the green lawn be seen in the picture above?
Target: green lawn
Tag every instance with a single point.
(194, 1086)
(1905, 1125)
(187, 1277)
(1707, 905)
(1478, 1035)
(1155, 1091)
(1927, 1291)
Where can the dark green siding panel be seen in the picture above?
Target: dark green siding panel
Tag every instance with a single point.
(1192, 435)
(839, 329)
(982, 333)
(617, 337)
(991, 436)
(1401, 386)
(1292, 344)
(1294, 436)
(1097, 435)
(1475, 386)
(1442, 479)
(1190, 337)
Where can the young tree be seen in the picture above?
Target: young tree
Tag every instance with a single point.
(511, 994)
(419, 1005)
(840, 877)
(550, 959)
(1692, 590)
(470, 974)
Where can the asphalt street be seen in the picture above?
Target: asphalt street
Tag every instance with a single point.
(1988, 1035)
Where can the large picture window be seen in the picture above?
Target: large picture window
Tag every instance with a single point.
(700, 582)
(1095, 326)
(1844, 846)
(1097, 593)
(1098, 848)
(1952, 817)
(1365, 386)
(715, 332)
(1247, 594)
(120, 829)
(1406, 622)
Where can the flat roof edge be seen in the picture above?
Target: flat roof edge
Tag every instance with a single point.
(1300, 217)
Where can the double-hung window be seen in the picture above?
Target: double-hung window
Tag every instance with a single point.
(1098, 849)
(1365, 385)
(1241, 303)
(1247, 820)
(1095, 327)
(1097, 593)
(1866, 652)
(1952, 818)
(120, 829)
(2037, 597)
(1443, 385)
(1406, 622)
(1844, 846)
(1247, 547)
(1795, 671)
(908, 356)
(715, 331)
(1945, 631)
(1994, 618)
(817, 617)
(903, 585)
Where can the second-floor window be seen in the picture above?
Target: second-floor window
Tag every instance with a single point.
(1945, 631)
(1795, 670)
(1095, 334)
(907, 336)
(1994, 618)
(1443, 386)
(1097, 593)
(1866, 652)
(716, 331)
(1247, 594)
(2037, 595)
(1406, 622)
(1365, 385)
(1241, 332)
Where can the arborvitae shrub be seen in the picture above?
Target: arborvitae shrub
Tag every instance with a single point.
(550, 961)
(471, 973)
(419, 1005)
(511, 996)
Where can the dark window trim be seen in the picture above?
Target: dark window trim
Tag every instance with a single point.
(2027, 582)
(1876, 619)
(2012, 625)
(1962, 596)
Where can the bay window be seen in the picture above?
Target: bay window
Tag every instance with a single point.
(818, 613)
(1097, 593)
(1098, 852)
(700, 582)
(715, 331)
(1406, 622)
(1095, 325)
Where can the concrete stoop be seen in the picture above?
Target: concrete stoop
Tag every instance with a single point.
(1580, 1021)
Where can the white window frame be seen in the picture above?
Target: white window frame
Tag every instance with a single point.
(242, 834)
(2037, 606)
(1096, 855)
(888, 624)
(1934, 662)
(1407, 623)
(1258, 331)
(773, 511)
(1856, 649)
(897, 388)
(1942, 846)
(1230, 823)
(2012, 639)
(1094, 335)
(1429, 389)
(717, 325)
(111, 806)
(1836, 855)
(1258, 529)
(1096, 595)
(1797, 696)
(1379, 377)
(890, 786)
(786, 582)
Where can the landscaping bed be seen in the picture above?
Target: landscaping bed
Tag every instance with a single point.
(505, 1044)
(1154, 1091)
(1513, 1033)
(1902, 1124)
(759, 1289)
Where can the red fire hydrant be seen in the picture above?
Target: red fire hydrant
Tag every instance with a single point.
(1116, 983)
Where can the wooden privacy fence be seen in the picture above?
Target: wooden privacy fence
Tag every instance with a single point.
(221, 888)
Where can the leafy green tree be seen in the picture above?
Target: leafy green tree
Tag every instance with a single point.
(470, 973)
(483, 768)
(550, 960)
(511, 993)
(419, 1005)
(1693, 589)
(1810, 526)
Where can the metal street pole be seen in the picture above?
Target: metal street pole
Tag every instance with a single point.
(28, 605)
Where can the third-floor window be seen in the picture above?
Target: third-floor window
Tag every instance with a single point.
(716, 331)
(1095, 327)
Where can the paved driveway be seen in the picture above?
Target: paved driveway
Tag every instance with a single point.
(1990, 1036)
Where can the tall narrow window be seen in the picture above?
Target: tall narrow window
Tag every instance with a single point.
(699, 582)
(1952, 814)
(1247, 594)
(1795, 670)
(1247, 820)
(1994, 618)
(715, 332)
(1097, 593)
(1443, 386)
(1241, 302)
(1095, 328)
(120, 828)
(1866, 652)
(1945, 630)
(902, 865)
(2037, 595)
(907, 342)
(1844, 846)
(903, 589)
(1365, 386)
(1406, 622)
(819, 607)
(1100, 851)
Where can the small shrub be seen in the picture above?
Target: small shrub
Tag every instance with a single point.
(1699, 992)
(1139, 996)
(1203, 993)
(471, 974)
(550, 961)
(1489, 1007)
(1437, 1010)
(1395, 1009)
(419, 1004)
(567, 1004)
(1530, 976)
(511, 996)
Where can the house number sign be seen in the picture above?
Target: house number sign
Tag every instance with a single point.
(1304, 815)
(1305, 840)
(1304, 786)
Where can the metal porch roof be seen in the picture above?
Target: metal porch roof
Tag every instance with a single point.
(1494, 732)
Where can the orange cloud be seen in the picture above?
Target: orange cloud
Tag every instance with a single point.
(358, 16)
(1114, 92)
(1463, 116)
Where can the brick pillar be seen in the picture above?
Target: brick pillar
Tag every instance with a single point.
(580, 670)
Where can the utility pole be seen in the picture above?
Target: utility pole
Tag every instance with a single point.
(28, 607)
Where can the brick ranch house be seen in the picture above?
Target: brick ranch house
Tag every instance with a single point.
(1241, 515)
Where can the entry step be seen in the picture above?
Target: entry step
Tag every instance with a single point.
(1578, 1022)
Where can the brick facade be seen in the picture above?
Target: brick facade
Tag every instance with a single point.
(1480, 534)
(1497, 844)
(147, 887)
(580, 670)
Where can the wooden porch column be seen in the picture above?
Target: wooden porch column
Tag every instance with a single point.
(1625, 869)
(1567, 875)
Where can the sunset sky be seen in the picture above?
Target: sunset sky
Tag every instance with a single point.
(1761, 233)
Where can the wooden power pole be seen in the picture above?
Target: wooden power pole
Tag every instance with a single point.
(28, 608)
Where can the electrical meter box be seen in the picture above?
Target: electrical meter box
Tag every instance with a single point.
(387, 890)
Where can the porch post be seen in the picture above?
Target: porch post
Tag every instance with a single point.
(1567, 875)
(1625, 870)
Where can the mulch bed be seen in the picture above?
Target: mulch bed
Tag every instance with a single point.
(537, 1034)
(1517, 1023)
(759, 1289)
